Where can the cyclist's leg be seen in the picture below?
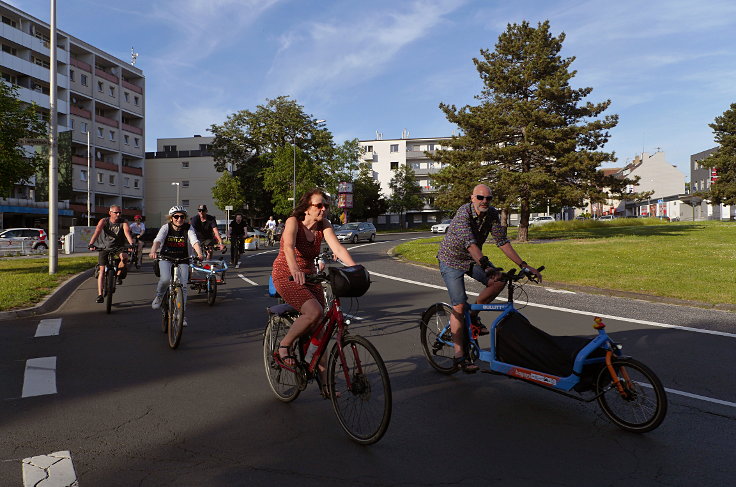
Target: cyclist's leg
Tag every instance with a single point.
(311, 312)
(165, 277)
(101, 262)
(492, 287)
(455, 282)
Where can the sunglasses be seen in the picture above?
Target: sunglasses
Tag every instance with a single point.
(326, 206)
(201, 211)
(116, 212)
(480, 197)
(177, 217)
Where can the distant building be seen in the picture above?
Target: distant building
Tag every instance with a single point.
(701, 179)
(96, 94)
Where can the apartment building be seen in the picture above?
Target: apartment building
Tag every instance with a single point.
(180, 168)
(98, 95)
(388, 155)
(701, 179)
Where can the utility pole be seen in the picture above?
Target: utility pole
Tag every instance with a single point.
(53, 154)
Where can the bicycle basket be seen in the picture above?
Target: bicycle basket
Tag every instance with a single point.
(350, 282)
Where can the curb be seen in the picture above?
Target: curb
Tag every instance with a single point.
(52, 301)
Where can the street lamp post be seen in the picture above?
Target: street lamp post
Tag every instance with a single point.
(178, 185)
(293, 181)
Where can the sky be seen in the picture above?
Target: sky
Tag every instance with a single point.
(668, 67)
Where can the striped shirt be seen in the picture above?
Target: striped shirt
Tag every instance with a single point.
(461, 235)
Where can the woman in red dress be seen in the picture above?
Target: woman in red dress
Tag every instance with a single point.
(300, 245)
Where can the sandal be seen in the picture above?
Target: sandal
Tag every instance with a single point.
(465, 364)
(282, 359)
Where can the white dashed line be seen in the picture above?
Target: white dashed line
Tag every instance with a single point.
(559, 291)
(47, 328)
(40, 377)
(53, 470)
(247, 280)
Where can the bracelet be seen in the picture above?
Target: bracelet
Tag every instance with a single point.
(484, 263)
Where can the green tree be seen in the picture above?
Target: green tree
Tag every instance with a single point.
(368, 202)
(406, 194)
(343, 166)
(227, 191)
(249, 142)
(723, 190)
(282, 170)
(531, 138)
(18, 121)
(64, 165)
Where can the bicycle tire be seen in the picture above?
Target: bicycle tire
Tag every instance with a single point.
(211, 290)
(364, 408)
(109, 289)
(644, 404)
(176, 317)
(165, 312)
(440, 355)
(282, 382)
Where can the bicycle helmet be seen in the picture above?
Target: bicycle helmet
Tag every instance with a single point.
(177, 209)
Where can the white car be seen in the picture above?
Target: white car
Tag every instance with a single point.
(541, 220)
(441, 227)
(607, 218)
(24, 239)
(252, 239)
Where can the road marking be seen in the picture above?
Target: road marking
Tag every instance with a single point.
(48, 327)
(560, 291)
(353, 317)
(575, 311)
(247, 280)
(40, 377)
(693, 396)
(52, 470)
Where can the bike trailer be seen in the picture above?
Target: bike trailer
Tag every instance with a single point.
(217, 266)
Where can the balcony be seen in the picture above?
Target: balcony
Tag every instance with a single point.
(369, 156)
(106, 165)
(132, 129)
(107, 121)
(109, 77)
(417, 154)
(132, 87)
(80, 64)
(428, 189)
(133, 170)
(81, 112)
(79, 160)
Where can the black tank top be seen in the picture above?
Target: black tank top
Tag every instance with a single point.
(176, 243)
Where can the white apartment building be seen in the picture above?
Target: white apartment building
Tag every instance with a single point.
(182, 167)
(97, 94)
(701, 179)
(388, 155)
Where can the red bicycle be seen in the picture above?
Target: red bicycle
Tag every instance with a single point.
(357, 379)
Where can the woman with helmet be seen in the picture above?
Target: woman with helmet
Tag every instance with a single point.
(174, 239)
(137, 228)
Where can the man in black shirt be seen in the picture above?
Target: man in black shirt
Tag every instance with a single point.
(238, 229)
(205, 226)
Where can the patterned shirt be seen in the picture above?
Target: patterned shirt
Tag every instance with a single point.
(461, 235)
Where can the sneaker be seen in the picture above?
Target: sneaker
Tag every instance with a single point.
(184, 323)
(156, 304)
(100, 299)
(480, 327)
(120, 280)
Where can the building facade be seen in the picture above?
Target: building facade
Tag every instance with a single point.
(99, 96)
(180, 168)
(701, 179)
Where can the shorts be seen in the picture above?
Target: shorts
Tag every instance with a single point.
(102, 256)
(206, 242)
(455, 281)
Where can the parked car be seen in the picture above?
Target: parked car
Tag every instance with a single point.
(354, 231)
(606, 218)
(541, 220)
(24, 239)
(441, 227)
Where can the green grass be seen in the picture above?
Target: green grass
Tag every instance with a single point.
(24, 282)
(683, 260)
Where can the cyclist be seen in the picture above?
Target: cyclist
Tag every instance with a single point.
(111, 232)
(270, 227)
(174, 239)
(461, 254)
(278, 230)
(300, 245)
(137, 228)
(238, 229)
(205, 226)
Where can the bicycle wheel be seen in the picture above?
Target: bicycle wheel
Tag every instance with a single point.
(440, 353)
(363, 407)
(109, 289)
(165, 312)
(211, 290)
(641, 406)
(176, 316)
(282, 382)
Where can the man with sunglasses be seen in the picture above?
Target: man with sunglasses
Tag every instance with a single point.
(111, 232)
(205, 226)
(461, 254)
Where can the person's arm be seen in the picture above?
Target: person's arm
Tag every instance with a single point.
(158, 241)
(98, 230)
(337, 248)
(128, 235)
(289, 237)
(194, 242)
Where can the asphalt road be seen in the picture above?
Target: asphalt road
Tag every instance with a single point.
(130, 411)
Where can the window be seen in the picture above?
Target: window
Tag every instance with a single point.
(169, 148)
(83, 127)
(83, 174)
(126, 139)
(83, 79)
(394, 147)
(394, 165)
(100, 133)
(185, 184)
(369, 148)
(126, 95)
(9, 50)
(100, 87)
(8, 21)
(112, 90)
(99, 178)
(204, 147)
(112, 180)
(184, 163)
(71, 75)
(185, 203)
(135, 100)
(112, 135)
(136, 142)
(126, 182)
(430, 147)
(136, 183)
(71, 123)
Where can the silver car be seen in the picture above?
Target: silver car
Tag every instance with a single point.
(354, 231)
(23, 239)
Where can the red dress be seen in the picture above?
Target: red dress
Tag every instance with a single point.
(305, 252)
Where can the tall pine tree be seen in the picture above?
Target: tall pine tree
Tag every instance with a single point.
(723, 190)
(531, 138)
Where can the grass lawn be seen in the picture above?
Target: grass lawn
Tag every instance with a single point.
(684, 260)
(24, 282)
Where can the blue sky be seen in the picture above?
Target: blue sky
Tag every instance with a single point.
(668, 66)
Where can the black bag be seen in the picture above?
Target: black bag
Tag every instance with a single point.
(349, 282)
(156, 269)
